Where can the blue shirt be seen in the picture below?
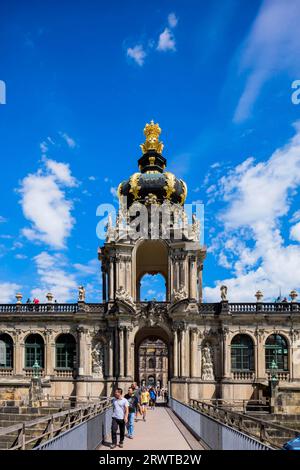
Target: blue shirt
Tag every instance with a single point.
(119, 407)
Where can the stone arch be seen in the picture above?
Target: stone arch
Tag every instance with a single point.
(242, 352)
(6, 351)
(150, 257)
(157, 332)
(65, 351)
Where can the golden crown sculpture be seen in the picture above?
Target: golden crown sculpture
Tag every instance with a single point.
(152, 132)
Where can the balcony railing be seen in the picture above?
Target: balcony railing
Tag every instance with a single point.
(203, 308)
(247, 375)
(30, 372)
(64, 373)
(282, 376)
(6, 372)
(38, 308)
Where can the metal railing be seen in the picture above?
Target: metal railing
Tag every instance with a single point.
(265, 431)
(35, 433)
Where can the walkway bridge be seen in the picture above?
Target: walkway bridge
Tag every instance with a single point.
(178, 426)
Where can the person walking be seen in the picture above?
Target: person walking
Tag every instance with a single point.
(119, 417)
(153, 396)
(133, 402)
(137, 393)
(145, 397)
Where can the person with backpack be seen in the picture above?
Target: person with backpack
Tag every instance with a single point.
(152, 394)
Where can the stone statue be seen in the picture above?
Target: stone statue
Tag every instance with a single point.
(195, 235)
(207, 366)
(98, 359)
(81, 294)
(122, 294)
(180, 294)
(223, 290)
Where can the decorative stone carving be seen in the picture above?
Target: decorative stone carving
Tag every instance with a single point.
(207, 366)
(98, 359)
(122, 294)
(223, 290)
(152, 314)
(180, 294)
(81, 294)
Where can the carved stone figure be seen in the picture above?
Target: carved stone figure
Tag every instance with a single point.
(223, 290)
(180, 294)
(98, 359)
(81, 294)
(207, 366)
(122, 294)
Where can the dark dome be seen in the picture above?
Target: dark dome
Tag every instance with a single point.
(153, 187)
(152, 184)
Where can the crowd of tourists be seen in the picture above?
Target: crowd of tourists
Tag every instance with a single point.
(127, 409)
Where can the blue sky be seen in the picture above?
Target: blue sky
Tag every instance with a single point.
(82, 79)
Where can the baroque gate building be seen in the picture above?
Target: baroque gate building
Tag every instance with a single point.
(222, 350)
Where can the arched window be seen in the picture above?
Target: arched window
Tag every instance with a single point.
(276, 352)
(242, 354)
(151, 363)
(153, 288)
(34, 351)
(6, 351)
(65, 351)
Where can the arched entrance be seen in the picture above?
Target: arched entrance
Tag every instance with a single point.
(151, 258)
(152, 357)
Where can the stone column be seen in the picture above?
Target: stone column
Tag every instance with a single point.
(104, 295)
(260, 356)
(226, 355)
(116, 352)
(117, 270)
(175, 353)
(121, 343)
(193, 278)
(182, 353)
(193, 354)
(81, 331)
(200, 283)
(111, 279)
(110, 367)
(50, 360)
(177, 268)
(19, 356)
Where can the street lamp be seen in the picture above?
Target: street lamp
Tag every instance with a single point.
(36, 370)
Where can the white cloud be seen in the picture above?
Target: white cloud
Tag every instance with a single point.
(2, 219)
(166, 41)
(172, 20)
(45, 205)
(92, 267)
(69, 140)
(295, 232)
(258, 199)
(21, 256)
(92, 178)
(53, 277)
(62, 172)
(8, 291)
(137, 53)
(272, 46)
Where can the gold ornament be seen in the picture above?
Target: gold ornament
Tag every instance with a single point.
(134, 185)
(152, 132)
(170, 186)
(184, 194)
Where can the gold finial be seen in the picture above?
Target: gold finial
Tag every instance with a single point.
(152, 132)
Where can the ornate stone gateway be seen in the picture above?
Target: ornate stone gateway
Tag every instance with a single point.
(218, 350)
